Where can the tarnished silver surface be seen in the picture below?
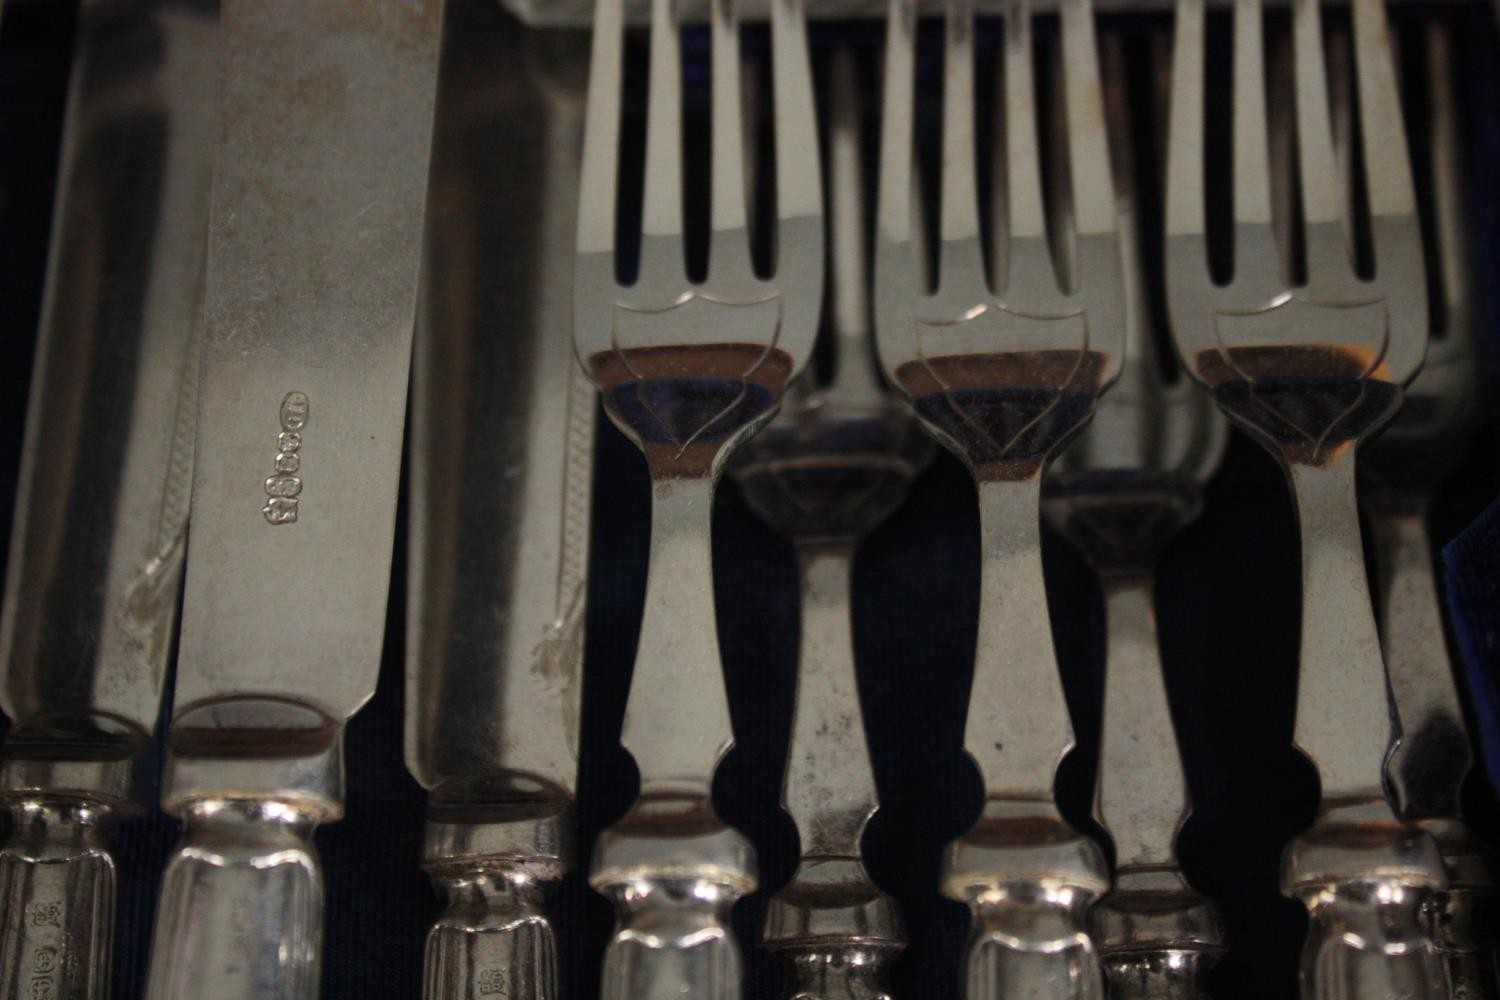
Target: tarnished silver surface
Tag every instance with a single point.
(1310, 370)
(1400, 470)
(1120, 493)
(320, 182)
(1003, 363)
(101, 513)
(688, 371)
(834, 463)
(500, 467)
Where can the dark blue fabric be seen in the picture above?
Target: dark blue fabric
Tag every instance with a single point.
(1473, 577)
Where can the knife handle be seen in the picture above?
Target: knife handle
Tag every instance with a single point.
(494, 938)
(57, 890)
(241, 910)
(1157, 937)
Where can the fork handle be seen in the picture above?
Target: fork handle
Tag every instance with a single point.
(1369, 885)
(1030, 903)
(57, 882)
(672, 896)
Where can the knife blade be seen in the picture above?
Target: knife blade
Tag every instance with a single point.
(101, 511)
(320, 180)
(501, 459)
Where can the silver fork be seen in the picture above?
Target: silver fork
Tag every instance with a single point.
(688, 371)
(1399, 472)
(837, 461)
(1120, 493)
(1310, 371)
(1004, 367)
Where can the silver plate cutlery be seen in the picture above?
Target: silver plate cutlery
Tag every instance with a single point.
(765, 241)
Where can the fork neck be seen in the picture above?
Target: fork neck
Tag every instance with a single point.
(1343, 718)
(677, 718)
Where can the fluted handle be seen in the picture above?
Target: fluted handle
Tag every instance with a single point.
(241, 910)
(673, 940)
(836, 929)
(57, 902)
(1157, 937)
(493, 938)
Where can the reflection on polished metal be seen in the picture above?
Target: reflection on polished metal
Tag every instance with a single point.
(1310, 370)
(101, 515)
(314, 248)
(1399, 471)
(501, 446)
(688, 371)
(834, 464)
(1003, 364)
(1120, 493)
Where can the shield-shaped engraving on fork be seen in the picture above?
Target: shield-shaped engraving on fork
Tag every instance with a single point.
(1310, 375)
(689, 378)
(1004, 408)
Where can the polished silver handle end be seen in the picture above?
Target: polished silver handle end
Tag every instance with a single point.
(1030, 882)
(673, 884)
(57, 884)
(836, 929)
(1369, 884)
(241, 908)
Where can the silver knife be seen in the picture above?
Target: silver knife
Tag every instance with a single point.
(314, 249)
(101, 513)
(501, 452)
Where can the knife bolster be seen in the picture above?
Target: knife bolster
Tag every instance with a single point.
(494, 936)
(312, 783)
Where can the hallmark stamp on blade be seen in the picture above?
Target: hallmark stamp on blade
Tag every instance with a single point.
(284, 486)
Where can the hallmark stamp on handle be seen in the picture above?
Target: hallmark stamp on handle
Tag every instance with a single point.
(284, 486)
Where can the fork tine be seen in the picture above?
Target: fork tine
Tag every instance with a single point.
(599, 174)
(854, 378)
(896, 139)
(1323, 202)
(1253, 240)
(1029, 261)
(1448, 196)
(662, 261)
(1185, 209)
(961, 261)
(799, 188)
(1088, 139)
(729, 251)
(1395, 234)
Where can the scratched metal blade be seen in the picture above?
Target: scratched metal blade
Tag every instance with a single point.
(502, 435)
(315, 234)
(101, 512)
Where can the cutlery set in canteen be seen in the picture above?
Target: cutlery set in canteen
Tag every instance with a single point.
(295, 249)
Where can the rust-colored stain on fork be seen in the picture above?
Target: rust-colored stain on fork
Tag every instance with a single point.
(1005, 410)
(1314, 401)
(683, 401)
